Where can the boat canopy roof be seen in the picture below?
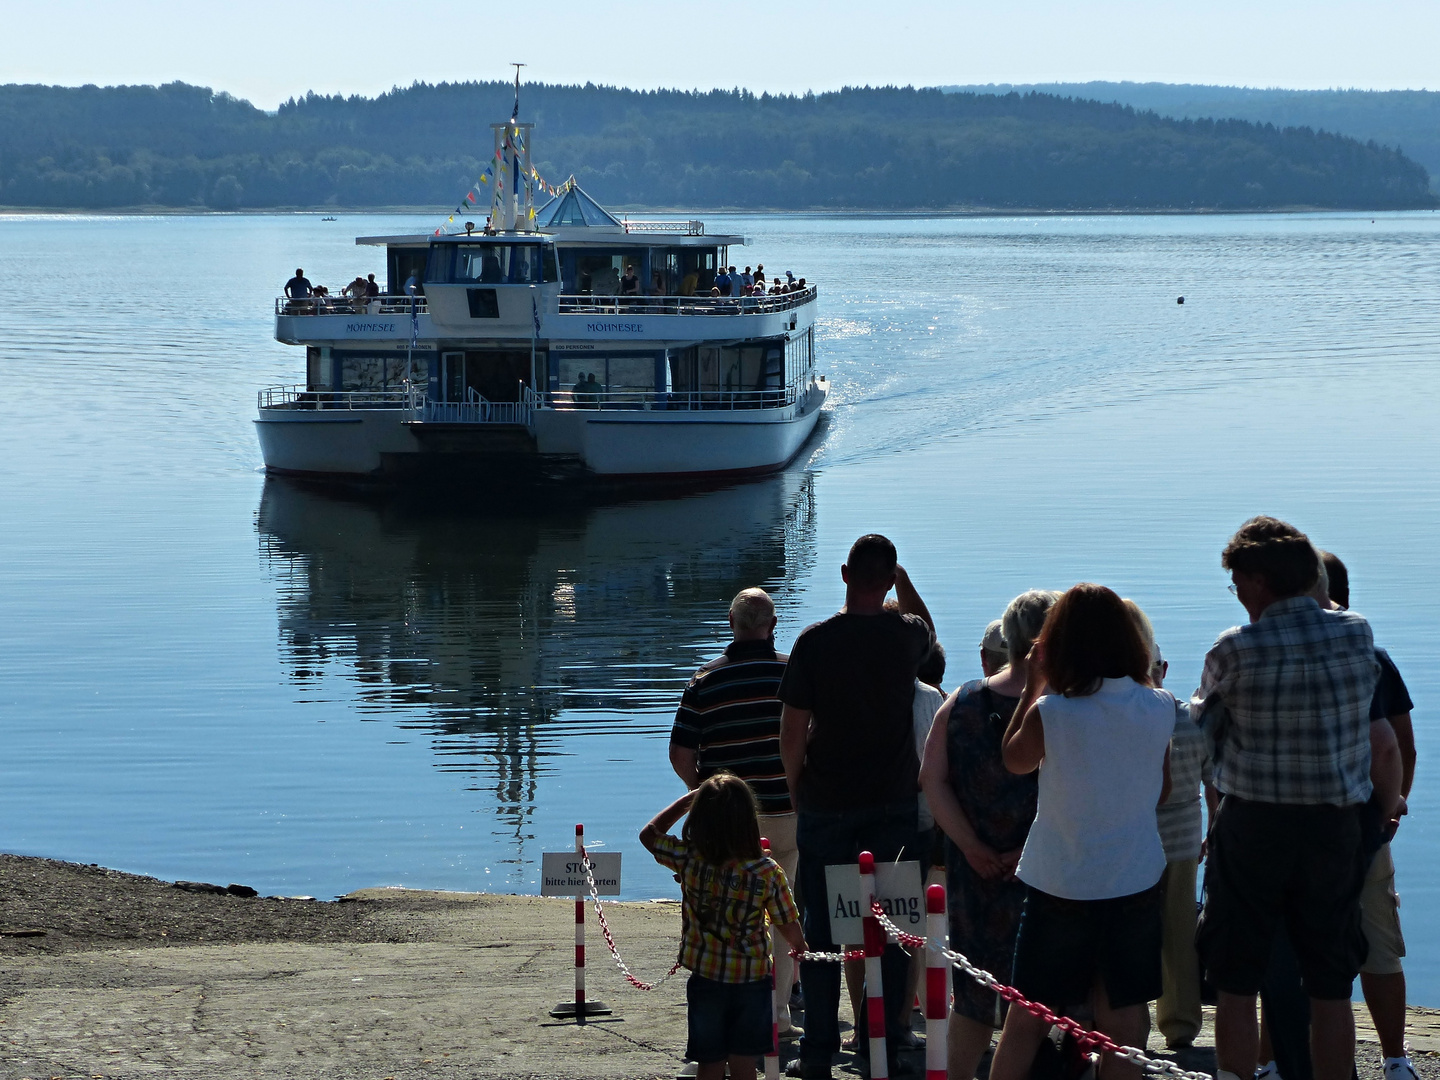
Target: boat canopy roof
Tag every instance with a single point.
(574, 218)
(575, 209)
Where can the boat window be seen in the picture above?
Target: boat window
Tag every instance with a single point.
(630, 376)
(600, 274)
(711, 371)
(492, 264)
(382, 371)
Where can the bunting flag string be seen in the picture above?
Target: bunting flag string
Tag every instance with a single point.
(491, 177)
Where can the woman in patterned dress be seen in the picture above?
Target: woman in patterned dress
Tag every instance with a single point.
(985, 812)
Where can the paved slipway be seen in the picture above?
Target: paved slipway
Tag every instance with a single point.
(133, 977)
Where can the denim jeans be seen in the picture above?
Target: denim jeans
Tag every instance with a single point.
(835, 838)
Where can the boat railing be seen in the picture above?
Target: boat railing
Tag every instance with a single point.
(687, 400)
(342, 305)
(585, 304)
(475, 409)
(688, 228)
(298, 397)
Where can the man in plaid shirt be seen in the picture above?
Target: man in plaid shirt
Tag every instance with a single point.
(1286, 700)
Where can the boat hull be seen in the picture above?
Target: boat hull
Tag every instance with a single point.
(360, 444)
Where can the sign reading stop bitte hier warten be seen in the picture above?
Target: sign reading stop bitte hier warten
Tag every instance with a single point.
(562, 873)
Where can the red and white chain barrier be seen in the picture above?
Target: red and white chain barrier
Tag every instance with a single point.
(878, 930)
(605, 929)
(1090, 1040)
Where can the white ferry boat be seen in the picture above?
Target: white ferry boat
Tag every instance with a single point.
(526, 349)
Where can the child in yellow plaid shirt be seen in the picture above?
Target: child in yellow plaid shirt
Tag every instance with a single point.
(730, 891)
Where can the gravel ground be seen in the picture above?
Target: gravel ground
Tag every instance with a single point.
(89, 907)
(112, 975)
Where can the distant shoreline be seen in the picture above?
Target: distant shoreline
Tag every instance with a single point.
(955, 212)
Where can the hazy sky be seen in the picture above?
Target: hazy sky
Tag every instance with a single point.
(267, 51)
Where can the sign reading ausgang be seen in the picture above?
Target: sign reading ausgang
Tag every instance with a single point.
(562, 873)
(897, 889)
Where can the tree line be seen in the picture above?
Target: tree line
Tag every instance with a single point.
(878, 148)
(1408, 120)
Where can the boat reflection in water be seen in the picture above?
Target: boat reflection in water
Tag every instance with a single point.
(502, 634)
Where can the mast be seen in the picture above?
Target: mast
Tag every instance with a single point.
(513, 202)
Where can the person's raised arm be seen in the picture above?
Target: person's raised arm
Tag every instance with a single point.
(909, 600)
(794, 736)
(1028, 748)
(1023, 747)
(660, 824)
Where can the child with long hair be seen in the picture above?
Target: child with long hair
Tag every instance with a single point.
(730, 888)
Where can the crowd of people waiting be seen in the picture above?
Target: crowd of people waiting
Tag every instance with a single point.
(1065, 789)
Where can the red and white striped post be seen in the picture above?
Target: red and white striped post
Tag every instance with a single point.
(579, 1008)
(874, 989)
(772, 1059)
(580, 933)
(937, 983)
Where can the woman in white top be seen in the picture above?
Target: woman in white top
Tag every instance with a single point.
(1100, 736)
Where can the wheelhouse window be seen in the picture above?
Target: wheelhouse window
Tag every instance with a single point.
(492, 264)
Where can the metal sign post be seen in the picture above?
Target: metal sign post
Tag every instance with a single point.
(563, 874)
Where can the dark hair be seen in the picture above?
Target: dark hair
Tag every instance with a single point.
(1339, 578)
(722, 826)
(871, 561)
(1277, 552)
(932, 668)
(1090, 635)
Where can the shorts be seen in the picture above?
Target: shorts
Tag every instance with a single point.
(1272, 866)
(1065, 946)
(728, 1018)
(1380, 917)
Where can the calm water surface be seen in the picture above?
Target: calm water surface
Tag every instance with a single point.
(207, 675)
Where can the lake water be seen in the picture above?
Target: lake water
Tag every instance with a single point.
(207, 675)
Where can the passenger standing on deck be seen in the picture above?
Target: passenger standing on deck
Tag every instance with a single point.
(372, 287)
(984, 812)
(1286, 700)
(729, 718)
(723, 282)
(298, 287)
(847, 741)
(1092, 862)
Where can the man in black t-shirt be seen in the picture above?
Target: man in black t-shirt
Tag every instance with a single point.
(847, 741)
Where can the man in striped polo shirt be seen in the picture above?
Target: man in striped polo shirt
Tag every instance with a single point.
(729, 718)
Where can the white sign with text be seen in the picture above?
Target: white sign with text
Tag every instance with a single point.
(898, 889)
(562, 873)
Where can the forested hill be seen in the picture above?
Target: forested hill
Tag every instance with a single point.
(1406, 119)
(882, 148)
